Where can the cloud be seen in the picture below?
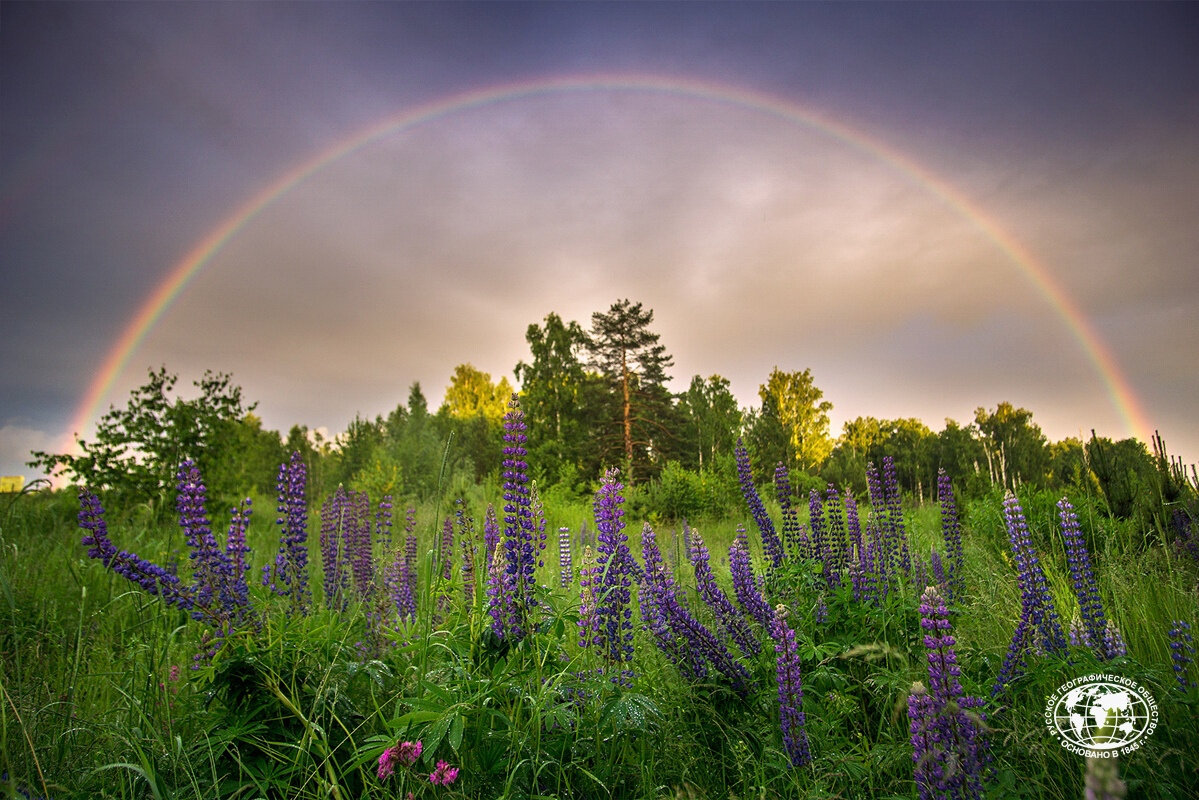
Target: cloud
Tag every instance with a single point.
(16, 442)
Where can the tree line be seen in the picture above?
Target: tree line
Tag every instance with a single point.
(594, 398)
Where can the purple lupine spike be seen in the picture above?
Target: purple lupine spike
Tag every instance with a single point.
(1113, 641)
(357, 536)
(236, 550)
(677, 632)
(445, 553)
(565, 558)
(333, 556)
(946, 725)
(1039, 629)
(210, 567)
(791, 526)
(614, 574)
(951, 532)
(466, 535)
(289, 576)
(820, 547)
(745, 587)
(715, 598)
(835, 533)
(520, 541)
(853, 527)
(491, 533)
(771, 545)
(790, 690)
(152, 578)
(1086, 589)
(588, 583)
(937, 568)
(897, 531)
(540, 539)
(1182, 652)
(383, 523)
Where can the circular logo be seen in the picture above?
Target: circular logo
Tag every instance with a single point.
(1101, 716)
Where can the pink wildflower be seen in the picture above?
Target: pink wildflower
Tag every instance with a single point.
(387, 763)
(444, 774)
(409, 752)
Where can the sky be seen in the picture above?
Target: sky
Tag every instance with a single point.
(933, 207)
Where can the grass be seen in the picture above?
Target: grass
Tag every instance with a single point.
(301, 708)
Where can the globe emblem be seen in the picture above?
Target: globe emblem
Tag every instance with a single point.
(1099, 715)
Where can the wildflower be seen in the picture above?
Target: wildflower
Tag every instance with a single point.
(1113, 641)
(466, 534)
(612, 577)
(715, 598)
(289, 576)
(943, 723)
(1182, 652)
(444, 774)
(522, 544)
(565, 558)
(408, 752)
(744, 584)
(793, 533)
(951, 532)
(770, 540)
(790, 689)
(1086, 589)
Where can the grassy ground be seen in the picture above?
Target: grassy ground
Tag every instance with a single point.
(100, 698)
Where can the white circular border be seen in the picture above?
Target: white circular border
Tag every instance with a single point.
(1078, 749)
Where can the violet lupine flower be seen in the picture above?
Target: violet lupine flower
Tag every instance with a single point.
(1113, 641)
(819, 540)
(520, 540)
(1039, 629)
(152, 578)
(877, 527)
(588, 583)
(745, 587)
(853, 529)
(613, 575)
(835, 531)
(289, 576)
(541, 540)
(1094, 621)
(565, 558)
(236, 550)
(771, 545)
(715, 598)
(1182, 652)
(210, 567)
(466, 535)
(491, 533)
(356, 533)
(793, 538)
(790, 690)
(683, 638)
(445, 553)
(383, 522)
(951, 532)
(334, 558)
(898, 536)
(937, 568)
(945, 724)
(444, 774)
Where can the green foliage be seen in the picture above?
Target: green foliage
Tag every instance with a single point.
(137, 449)
(793, 401)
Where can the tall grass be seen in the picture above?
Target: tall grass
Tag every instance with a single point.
(100, 697)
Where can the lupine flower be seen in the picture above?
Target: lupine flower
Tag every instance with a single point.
(715, 598)
(565, 558)
(683, 638)
(1182, 652)
(771, 545)
(356, 533)
(588, 583)
(835, 531)
(951, 532)
(793, 537)
(612, 576)
(948, 748)
(334, 558)
(1086, 589)
(521, 541)
(819, 540)
(790, 690)
(1039, 628)
(210, 567)
(236, 550)
(289, 576)
(1113, 641)
(937, 568)
(745, 586)
(152, 578)
(444, 774)
(466, 535)
(820, 614)
(897, 532)
(491, 533)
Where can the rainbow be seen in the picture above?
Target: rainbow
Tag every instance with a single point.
(159, 301)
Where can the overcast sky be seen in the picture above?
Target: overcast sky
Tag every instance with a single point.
(827, 186)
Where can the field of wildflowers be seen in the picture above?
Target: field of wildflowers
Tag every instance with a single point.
(850, 651)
